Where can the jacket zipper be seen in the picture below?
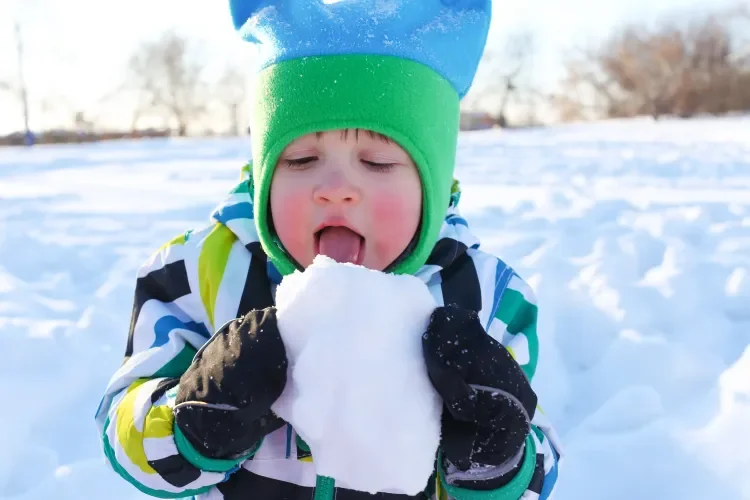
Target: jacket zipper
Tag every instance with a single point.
(324, 487)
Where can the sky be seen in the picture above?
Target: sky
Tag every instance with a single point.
(77, 50)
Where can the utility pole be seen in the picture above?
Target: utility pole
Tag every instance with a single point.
(23, 91)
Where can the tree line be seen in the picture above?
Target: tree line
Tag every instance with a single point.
(166, 89)
(683, 67)
(688, 64)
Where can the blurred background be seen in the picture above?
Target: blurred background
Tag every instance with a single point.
(84, 69)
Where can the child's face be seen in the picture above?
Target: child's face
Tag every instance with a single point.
(354, 179)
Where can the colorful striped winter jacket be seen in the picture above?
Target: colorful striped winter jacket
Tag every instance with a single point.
(199, 281)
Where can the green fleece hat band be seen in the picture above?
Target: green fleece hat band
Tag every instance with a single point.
(402, 99)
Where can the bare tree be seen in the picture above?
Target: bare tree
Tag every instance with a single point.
(168, 74)
(19, 90)
(509, 79)
(23, 91)
(143, 107)
(232, 94)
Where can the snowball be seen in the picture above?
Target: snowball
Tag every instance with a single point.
(358, 391)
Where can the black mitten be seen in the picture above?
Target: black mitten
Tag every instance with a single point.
(488, 399)
(223, 404)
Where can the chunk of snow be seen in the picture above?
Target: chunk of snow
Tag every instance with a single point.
(358, 391)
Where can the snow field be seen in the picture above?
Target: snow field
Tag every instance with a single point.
(635, 236)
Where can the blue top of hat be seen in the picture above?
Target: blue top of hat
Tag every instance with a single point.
(446, 35)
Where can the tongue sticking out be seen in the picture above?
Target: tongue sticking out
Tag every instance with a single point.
(341, 244)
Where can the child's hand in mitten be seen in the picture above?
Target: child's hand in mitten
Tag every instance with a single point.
(488, 398)
(223, 405)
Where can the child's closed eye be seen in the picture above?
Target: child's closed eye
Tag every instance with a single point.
(378, 167)
(300, 162)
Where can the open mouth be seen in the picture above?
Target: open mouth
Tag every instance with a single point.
(340, 243)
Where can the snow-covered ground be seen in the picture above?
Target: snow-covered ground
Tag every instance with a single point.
(635, 235)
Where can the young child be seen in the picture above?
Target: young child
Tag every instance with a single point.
(354, 140)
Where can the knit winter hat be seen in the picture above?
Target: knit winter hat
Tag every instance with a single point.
(396, 67)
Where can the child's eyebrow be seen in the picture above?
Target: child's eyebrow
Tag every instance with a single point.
(373, 135)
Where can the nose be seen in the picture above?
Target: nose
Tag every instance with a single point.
(337, 189)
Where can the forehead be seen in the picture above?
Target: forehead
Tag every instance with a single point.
(344, 134)
(344, 138)
(350, 136)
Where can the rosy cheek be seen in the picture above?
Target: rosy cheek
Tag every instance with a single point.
(291, 217)
(395, 218)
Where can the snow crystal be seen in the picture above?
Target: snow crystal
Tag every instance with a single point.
(358, 391)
